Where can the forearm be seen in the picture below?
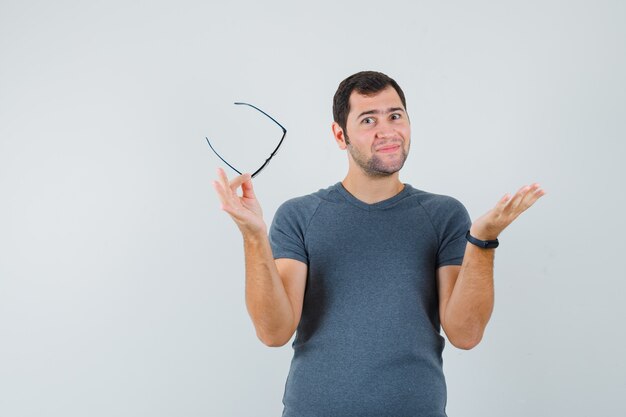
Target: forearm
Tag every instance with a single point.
(471, 302)
(266, 299)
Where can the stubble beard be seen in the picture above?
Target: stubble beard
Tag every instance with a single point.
(375, 166)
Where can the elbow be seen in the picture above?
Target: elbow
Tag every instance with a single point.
(273, 333)
(273, 340)
(465, 334)
(465, 345)
(274, 343)
(466, 342)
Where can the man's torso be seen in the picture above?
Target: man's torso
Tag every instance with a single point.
(368, 341)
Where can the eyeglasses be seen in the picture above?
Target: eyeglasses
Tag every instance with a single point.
(271, 155)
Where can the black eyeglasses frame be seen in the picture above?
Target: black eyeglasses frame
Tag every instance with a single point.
(271, 155)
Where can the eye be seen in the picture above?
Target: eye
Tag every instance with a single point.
(368, 120)
(396, 116)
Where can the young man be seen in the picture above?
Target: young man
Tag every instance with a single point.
(369, 269)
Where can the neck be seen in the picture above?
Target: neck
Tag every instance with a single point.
(370, 189)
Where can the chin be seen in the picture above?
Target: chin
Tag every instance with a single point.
(382, 172)
(375, 168)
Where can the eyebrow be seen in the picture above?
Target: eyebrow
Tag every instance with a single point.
(389, 110)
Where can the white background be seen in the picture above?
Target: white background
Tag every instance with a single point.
(121, 281)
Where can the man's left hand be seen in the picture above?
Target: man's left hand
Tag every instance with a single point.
(492, 223)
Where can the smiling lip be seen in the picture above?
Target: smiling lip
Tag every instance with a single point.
(389, 149)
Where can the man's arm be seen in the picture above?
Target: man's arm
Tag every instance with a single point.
(274, 289)
(466, 292)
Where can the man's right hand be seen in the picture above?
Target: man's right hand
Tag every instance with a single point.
(274, 288)
(245, 210)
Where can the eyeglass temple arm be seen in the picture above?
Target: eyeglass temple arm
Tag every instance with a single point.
(219, 156)
(255, 107)
(267, 161)
(279, 143)
(271, 155)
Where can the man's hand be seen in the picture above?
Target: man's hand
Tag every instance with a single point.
(466, 292)
(274, 288)
(492, 223)
(245, 210)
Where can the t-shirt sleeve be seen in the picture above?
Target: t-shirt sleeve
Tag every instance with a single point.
(454, 222)
(287, 232)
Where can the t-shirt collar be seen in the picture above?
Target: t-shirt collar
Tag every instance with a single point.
(375, 206)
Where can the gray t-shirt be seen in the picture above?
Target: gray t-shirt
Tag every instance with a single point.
(368, 342)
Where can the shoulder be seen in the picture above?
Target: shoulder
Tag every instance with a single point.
(435, 204)
(307, 203)
(443, 211)
(303, 208)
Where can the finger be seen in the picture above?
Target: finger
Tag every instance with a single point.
(541, 192)
(501, 204)
(535, 193)
(228, 199)
(223, 178)
(237, 181)
(229, 187)
(248, 189)
(220, 192)
(229, 204)
(504, 200)
(518, 197)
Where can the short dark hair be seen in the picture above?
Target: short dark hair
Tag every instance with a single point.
(365, 83)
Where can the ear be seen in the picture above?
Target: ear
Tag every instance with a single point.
(339, 136)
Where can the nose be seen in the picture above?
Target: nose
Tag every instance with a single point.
(385, 130)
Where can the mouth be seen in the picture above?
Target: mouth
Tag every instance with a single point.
(388, 148)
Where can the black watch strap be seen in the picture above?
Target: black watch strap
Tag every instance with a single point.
(485, 244)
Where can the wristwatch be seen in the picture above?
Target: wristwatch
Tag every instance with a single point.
(485, 244)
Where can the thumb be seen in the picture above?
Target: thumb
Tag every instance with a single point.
(247, 188)
(237, 181)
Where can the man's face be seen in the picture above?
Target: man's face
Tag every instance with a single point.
(378, 132)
